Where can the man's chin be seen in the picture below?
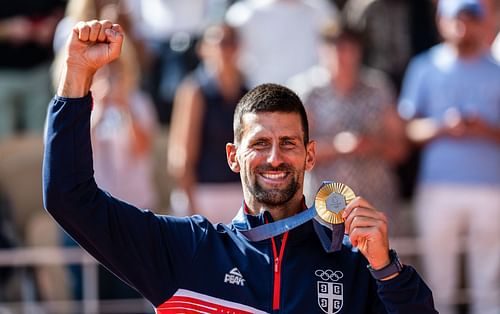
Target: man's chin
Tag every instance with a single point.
(274, 196)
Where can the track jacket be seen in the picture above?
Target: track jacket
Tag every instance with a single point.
(188, 265)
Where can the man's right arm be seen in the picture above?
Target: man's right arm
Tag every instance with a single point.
(149, 252)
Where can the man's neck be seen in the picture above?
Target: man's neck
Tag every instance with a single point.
(468, 51)
(344, 83)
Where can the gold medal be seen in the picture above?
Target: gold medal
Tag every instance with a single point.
(331, 200)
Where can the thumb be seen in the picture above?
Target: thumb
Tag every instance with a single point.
(114, 36)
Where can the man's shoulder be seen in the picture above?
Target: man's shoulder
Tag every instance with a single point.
(430, 56)
(492, 64)
(310, 81)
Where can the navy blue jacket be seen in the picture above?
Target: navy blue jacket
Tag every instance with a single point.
(188, 264)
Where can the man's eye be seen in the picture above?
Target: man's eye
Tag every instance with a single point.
(259, 144)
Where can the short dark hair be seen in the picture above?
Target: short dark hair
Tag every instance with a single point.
(269, 98)
(333, 34)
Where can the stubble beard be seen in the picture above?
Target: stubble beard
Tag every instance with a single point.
(274, 197)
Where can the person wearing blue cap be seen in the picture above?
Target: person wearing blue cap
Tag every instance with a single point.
(451, 97)
(451, 9)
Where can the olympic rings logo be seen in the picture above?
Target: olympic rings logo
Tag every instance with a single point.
(329, 274)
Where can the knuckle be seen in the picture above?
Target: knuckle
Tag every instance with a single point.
(384, 227)
(95, 25)
(355, 211)
(383, 216)
(360, 200)
(354, 231)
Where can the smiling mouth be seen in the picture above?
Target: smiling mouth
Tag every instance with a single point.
(274, 176)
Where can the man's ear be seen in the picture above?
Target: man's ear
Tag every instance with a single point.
(232, 161)
(310, 155)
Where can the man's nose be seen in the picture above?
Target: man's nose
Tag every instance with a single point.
(275, 157)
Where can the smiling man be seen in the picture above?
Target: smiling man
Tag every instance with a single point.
(271, 150)
(189, 265)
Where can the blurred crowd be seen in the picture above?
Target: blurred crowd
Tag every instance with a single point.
(403, 98)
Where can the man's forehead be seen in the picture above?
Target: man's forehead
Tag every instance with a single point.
(278, 123)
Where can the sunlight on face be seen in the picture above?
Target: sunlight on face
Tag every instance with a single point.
(272, 157)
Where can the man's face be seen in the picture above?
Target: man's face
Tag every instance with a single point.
(463, 30)
(271, 158)
(344, 56)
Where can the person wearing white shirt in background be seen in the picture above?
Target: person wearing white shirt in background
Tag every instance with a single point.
(279, 38)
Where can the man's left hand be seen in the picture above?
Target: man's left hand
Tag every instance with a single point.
(367, 230)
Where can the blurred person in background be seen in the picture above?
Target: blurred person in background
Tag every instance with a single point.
(171, 29)
(123, 126)
(279, 38)
(359, 135)
(393, 32)
(26, 32)
(451, 96)
(202, 126)
(26, 35)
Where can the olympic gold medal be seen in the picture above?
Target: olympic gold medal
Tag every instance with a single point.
(331, 200)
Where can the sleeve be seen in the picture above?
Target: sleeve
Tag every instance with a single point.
(148, 251)
(406, 294)
(412, 99)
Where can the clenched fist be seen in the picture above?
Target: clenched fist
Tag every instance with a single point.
(90, 46)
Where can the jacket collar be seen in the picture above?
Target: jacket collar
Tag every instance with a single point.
(245, 221)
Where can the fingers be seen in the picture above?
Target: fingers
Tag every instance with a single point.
(82, 30)
(114, 33)
(367, 230)
(359, 214)
(97, 31)
(95, 28)
(93, 44)
(114, 36)
(101, 37)
(357, 204)
(366, 227)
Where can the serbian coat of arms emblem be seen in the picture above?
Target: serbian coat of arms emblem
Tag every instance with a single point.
(330, 292)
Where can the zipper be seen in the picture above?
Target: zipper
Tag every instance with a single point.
(277, 270)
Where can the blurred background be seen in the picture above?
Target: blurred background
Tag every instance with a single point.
(163, 114)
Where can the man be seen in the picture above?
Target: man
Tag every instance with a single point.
(189, 265)
(451, 95)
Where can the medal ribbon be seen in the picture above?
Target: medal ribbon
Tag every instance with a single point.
(322, 224)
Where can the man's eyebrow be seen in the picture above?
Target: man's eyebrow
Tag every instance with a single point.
(258, 137)
(290, 137)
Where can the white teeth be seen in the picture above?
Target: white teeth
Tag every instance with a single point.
(274, 176)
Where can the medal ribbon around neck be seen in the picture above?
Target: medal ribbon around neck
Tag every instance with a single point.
(329, 204)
